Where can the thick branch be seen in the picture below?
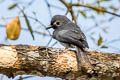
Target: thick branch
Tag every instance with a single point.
(44, 61)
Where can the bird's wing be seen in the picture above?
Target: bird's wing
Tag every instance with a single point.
(74, 37)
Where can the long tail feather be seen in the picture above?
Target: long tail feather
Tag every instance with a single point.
(82, 57)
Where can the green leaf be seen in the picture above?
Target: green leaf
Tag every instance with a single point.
(104, 46)
(104, 0)
(28, 25)
(12, 6)
(83, 14)
(100, 40)
(113, 8)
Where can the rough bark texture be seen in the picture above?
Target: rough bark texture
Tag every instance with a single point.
(44, 61)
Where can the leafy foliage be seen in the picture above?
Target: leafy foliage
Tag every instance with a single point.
(28, 25)
(83, 14)
(12, 6)
(100, 40)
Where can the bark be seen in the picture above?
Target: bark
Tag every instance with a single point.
(44, 61)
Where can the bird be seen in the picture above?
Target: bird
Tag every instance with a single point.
(70, 35)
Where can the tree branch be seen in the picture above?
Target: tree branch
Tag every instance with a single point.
(70, 5)
(96, 8)
(44, 61)
(69, 9)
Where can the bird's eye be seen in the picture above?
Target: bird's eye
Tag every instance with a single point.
(57, 23)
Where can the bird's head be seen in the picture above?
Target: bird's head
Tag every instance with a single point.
(58, 21)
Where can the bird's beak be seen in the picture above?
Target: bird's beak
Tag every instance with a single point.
(49, 26)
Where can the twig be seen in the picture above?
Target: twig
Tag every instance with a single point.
(96, 8)
(32, 19)
(57, 7)
(48, 5)
(101, 9)
(49, 41)
(37, 32)
(69, 8)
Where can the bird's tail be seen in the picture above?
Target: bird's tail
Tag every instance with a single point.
(82, 57)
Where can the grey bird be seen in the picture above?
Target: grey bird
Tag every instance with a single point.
(70, 35)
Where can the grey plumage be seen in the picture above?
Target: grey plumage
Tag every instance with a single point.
(70, 34)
